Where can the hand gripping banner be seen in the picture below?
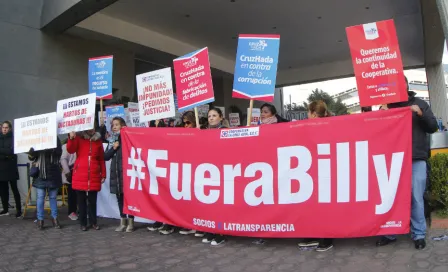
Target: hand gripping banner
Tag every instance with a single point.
(345, 176)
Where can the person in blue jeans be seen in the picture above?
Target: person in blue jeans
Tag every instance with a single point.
(423, 123)
(48, 179)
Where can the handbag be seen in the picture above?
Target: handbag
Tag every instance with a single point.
(34, 171)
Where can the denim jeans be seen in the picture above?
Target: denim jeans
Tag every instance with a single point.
(418, 221)
(52, 195)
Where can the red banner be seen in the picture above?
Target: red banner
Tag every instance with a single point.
(377, 63)
(345, 176)
(194, 85)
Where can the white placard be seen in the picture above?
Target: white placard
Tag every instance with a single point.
(234, 119)
(102, 118)
(76, 113)
(256, 113)
(132, 107)
(155, 95)
(38, 132)
(135, 120)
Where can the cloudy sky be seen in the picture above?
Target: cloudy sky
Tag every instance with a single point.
(299, 93)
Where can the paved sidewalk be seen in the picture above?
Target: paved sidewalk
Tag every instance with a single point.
(24, 248)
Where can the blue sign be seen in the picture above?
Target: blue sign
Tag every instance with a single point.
(100, 76)
(256, 67)
(114, 111)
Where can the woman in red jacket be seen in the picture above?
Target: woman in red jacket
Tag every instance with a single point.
(89, 173)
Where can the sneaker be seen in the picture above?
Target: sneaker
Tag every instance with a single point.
(259, 242)
(19, 214)
(73, 216)
(218, 240)
(199, 234)
(155, 226)
(208, 238)
(4, 213)
(309, 242)
(186, 231)
(167, 229)
(420, 244)
(324, 246)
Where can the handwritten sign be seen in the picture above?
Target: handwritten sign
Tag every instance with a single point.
(76, 113)
(38, 132)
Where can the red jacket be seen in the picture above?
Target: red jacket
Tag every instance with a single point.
(89, 168)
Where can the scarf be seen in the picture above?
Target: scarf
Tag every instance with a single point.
(113, 137)
(215, 126)
(269, 120)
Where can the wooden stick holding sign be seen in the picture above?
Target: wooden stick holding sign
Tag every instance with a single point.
(102, 114)
(249, 114)
(196, 115)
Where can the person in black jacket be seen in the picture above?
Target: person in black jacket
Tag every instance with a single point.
(9, 173)
(423, 123)
(49, 179)
(113, 152)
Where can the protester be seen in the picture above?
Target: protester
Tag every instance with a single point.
(88, 174)
(215, 118)
(114, 152)
(171, 123)
(48, 179)
(9, 174)
(157, 123)
(268, 115)
(423, 123)
(318, 109)
(203, 122)
(67, 162)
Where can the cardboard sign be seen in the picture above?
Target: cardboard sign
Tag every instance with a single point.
(100, 76)
(356, 183)
(155, 95)
(256, 114)
(114, 111)
(377, 63)
(256, 67)
(193, 80)
(76, 113)
(234, 119)
(38, 132)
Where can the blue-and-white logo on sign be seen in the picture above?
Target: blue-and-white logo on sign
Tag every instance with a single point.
(256, 67)
(100, 76)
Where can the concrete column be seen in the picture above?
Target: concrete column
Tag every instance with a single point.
(278, 101)
(437, 91)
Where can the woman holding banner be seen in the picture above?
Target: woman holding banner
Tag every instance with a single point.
(89, 173)
(47, 178)
(318, 109)
(113, 152)
(268, 114)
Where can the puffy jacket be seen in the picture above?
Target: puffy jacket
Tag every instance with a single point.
(116, 168)
(89, 167)
(421, 126)
(8, 160)
(49, 170)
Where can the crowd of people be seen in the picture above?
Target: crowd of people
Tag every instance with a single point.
(80, 163)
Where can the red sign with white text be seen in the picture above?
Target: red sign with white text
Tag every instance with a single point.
(194, 85)
(377, 63)
(329, 177)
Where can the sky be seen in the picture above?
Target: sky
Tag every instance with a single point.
(299, 93)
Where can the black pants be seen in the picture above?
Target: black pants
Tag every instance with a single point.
(72, 200)
(120, 199)
(4, 194)
(87, 203)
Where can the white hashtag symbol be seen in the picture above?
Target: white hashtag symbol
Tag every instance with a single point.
(137, 165)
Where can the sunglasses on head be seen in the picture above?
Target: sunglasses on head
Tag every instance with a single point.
(187, 123)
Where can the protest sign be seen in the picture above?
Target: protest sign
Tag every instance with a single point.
(127, 116)
(377, 63)
(256, 67)
(102, 118)
(234, 119)
(344, 181)
(194, 85)
(100, 76)
(203, 110)
(76, 113)
(135, 120)
(133, 107)
(255, 117)
(111, 112)
(38, 132)
(155, 95)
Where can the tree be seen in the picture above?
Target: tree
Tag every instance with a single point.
(336, 107)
